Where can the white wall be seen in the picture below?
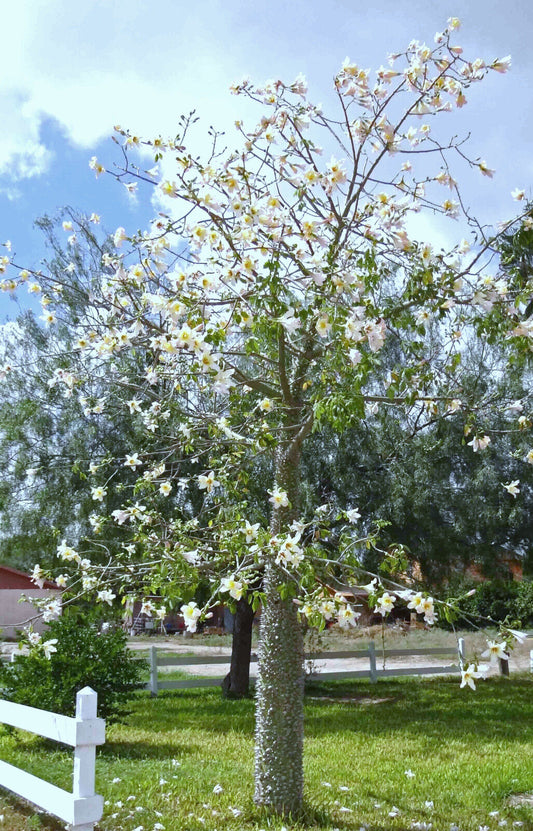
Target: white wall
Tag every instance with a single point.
(15, 615)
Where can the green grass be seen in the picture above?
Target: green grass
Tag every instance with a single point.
(469, 752)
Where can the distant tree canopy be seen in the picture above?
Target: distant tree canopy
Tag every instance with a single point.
(441, 500)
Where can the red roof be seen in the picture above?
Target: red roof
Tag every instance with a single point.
(12, 578)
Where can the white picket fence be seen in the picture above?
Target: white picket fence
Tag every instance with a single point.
(369, 652)
(81, 808)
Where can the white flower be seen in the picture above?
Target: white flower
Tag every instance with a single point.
(372, 586)
(251, 531)
(353, 515)
(133, 461)
(376, 333)
(513, 487)
(207, 482)
(37, 576)
(49, 647)
(233, 586)
(521, 637)
(51, 610)
(266, 405)
(469, 675)
(106, 596)
(223, 381)
(134, 405)
(120, 517)
(385, 604)
(337, 174)
(218, 789)
(479, 443)
(119, 236)
(323, 326)
(501, 64)
(66, 552)
(495, 651)
(427, 609)
(347, 617)
(279, 498)
(289, 322)
(192, 557)
(98, 493)
(191, 613)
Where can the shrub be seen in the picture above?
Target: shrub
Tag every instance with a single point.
(85, 657)
(494, 599)
(524, 603)
(498, 600)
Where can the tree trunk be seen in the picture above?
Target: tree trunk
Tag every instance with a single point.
(236, 684)
(280, 685)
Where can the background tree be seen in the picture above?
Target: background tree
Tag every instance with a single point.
(443, 501)
(49, 435)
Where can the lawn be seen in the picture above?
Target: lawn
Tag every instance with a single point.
(397, 755)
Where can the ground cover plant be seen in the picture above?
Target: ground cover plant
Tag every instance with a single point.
(397, 755)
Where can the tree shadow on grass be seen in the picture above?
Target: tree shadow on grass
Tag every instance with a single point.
(428, 711)
(139, 750)
(201, 709)
(28, 816)
(499, 708)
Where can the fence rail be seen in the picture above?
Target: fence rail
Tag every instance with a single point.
(155, 684)
(81, 808)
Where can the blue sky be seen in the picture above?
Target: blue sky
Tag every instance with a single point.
(70, 71)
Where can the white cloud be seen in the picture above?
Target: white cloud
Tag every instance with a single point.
(90, 65)
(22, 153)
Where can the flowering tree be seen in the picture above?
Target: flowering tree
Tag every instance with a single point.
(260, 306)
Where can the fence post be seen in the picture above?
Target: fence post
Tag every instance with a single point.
(153, 670)
(84, 756)
(372, 659)
(531, 660)
(462, 650)
(504, 666)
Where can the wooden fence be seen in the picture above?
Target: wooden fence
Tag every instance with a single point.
(81, 808)
(369, 653)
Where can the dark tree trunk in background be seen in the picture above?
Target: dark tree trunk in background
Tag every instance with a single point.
(236, 684)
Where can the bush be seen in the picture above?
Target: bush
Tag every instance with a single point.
(524, 603)
(494, 599)
(85, 657)
(497, 600)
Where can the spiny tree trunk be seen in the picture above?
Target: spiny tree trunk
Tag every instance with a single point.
(280, 687)
(236, 684)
